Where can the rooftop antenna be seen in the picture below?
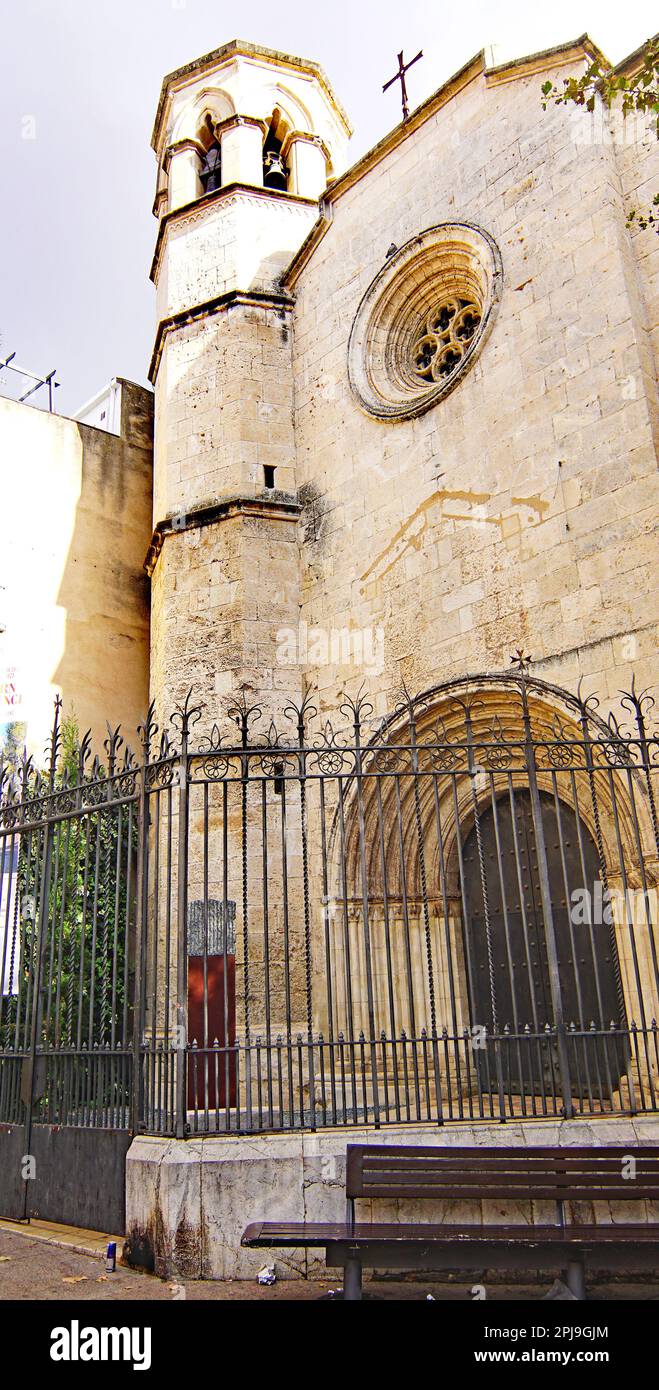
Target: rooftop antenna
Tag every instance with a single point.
(39, 381)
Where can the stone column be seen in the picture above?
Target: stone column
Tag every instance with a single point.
(306, 158)
(453, 906)
(182, 163)
(241, 142)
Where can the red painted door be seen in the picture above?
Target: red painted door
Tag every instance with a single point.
(212, 1070)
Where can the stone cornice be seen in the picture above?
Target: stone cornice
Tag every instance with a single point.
(304, 137)
(517, 68)
(277, 506)
(161, 197)
(208, 200)
(178, 147)
(268, 299)
(239, 48)
(235, 121)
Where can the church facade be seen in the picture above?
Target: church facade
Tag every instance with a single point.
(405, 430)
(384, 861)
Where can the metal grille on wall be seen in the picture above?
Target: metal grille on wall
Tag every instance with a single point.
(447, 913)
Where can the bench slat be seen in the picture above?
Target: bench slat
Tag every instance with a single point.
(518, 1179)
(304, 1233)
(395, 1151)
(569, 1189)
(485, 1164)
(541, 1194)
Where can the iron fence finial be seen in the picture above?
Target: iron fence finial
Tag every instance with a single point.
(243, 714)
(112, 744)
(147, 730)
(186, 714)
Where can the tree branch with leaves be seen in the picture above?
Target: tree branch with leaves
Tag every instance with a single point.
(636, 93)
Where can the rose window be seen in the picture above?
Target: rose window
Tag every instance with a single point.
(423, 320)
(448, 330)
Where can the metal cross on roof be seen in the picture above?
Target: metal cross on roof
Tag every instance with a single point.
(399, 76)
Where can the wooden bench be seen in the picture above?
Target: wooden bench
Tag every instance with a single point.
(556, 1175)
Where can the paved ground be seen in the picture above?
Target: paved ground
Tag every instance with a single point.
(32, 1267)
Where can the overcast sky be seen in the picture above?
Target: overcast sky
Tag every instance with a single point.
(79, 83)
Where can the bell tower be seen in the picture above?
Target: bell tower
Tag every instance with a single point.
(246, 141)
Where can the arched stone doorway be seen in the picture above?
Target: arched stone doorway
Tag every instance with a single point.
(406, 947)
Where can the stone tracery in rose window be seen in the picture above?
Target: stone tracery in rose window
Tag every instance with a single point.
(424, 319)
(449, 329)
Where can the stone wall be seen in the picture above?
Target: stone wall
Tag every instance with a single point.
(220, 594)
(242, 238)
(222, 591)
(223, 402)
(637, 157)
(77, 520)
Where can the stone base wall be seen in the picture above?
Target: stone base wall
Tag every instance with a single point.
(188, 1201)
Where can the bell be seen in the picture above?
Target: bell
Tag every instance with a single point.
(211, 170)
(274, 171)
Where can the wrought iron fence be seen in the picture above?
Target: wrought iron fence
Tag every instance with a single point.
(446, 913)
(67, 864)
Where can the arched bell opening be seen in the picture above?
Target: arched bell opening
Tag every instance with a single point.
(210, 161)
(275, 169)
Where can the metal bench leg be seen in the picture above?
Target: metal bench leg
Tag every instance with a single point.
(352, 1280)
(575, 1278)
